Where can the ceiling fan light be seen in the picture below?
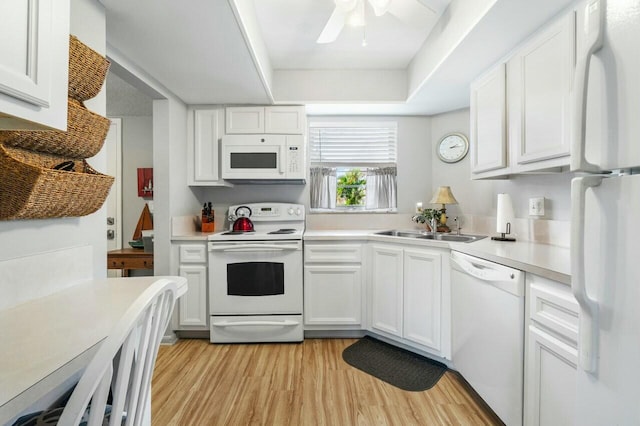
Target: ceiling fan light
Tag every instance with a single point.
(356, 17)
(345, 5)
(380, 7)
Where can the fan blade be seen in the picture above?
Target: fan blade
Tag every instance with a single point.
(412, 12)
(380, 7)
(333, 27)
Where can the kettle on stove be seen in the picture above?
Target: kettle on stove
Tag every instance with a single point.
(242, 223)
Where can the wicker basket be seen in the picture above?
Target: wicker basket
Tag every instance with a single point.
(87, 70)
(85, 135)
(31, 189)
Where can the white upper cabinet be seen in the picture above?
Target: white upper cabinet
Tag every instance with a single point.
(540, 78)
(203, 147)
(521, 111)
(271, 119)
(245, 120)
(488, 123)
(285, 120)
(34, 62)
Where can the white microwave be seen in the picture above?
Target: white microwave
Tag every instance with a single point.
(263, 157)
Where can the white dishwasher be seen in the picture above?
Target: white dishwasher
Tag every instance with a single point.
(488, 332)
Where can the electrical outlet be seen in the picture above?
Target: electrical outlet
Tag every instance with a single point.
(536, 206)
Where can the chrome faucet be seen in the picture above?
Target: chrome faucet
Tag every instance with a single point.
(457, 221)
(434, 225)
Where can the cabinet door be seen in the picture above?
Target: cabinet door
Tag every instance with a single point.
(203, 151)
(488, 122)
(34, 55)
(550, 381)
(193, 305)
(332, 295)
(540, 79)
(245, 120)
(386, 289)
(422, 297)
(285, 120)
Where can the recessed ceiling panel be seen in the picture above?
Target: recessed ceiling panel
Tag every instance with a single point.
(290, 30)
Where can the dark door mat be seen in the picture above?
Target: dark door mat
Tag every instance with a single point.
(396, 366)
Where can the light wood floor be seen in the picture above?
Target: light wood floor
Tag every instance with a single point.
(198, 383)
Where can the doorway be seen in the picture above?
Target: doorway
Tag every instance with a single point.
(131, 112)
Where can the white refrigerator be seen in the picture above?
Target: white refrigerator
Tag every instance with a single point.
(605, 229)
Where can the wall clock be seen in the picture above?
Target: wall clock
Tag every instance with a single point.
(452, 147)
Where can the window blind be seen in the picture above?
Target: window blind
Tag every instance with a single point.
(353, 143)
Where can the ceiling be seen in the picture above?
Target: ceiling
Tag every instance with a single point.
(264, 51)
(392, 39)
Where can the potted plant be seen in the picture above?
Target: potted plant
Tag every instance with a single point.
(425, 216)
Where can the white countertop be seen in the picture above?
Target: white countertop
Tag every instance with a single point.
(192, 236)
(43, 338)
(552, 262)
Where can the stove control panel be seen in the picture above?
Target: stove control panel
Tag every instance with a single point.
(274, 211)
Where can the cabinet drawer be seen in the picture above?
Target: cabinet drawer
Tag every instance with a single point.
(193, 253)
(334, 253)
(130, 263)
(553, 306)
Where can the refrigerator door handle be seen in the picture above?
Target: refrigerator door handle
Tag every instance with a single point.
(589, 308)
(594, 34)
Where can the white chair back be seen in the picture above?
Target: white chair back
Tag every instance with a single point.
(130, 351)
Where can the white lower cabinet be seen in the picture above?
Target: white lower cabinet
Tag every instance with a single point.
(386, 289)
(333, 297)
(422, 297)
(406, 295)
(192, 307)
(552, 355)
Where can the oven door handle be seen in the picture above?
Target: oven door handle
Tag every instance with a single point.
(254, 323)
(254, 248)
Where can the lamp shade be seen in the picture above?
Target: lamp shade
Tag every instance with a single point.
(443, 196)
(505, 214)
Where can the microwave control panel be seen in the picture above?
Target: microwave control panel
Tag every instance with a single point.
(295, 157)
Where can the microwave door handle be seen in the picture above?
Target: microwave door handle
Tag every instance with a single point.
(282, 163)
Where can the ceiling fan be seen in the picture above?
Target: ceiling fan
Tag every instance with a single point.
(352, 12)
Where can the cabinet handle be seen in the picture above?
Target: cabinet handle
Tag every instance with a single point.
(594, 34)
(588, 330)
(255, 323)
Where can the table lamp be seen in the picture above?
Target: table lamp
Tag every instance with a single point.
(444, 196)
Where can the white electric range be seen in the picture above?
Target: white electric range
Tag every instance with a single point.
(255, 278)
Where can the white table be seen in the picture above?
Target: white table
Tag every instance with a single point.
(47, 342)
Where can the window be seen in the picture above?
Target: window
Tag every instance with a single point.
(353, 166)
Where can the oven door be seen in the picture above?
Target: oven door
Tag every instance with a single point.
(255, 277)
(253, 157)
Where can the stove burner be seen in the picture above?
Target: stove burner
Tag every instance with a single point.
(283, 231)
(237, 232)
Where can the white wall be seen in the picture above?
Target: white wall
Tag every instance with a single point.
(137, 152)
(414, 179)
(480, 197)
(477, 199)
(29, 239)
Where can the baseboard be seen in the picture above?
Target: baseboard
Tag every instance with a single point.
(336, 334)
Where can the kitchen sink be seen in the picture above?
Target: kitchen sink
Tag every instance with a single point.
(462, 238)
